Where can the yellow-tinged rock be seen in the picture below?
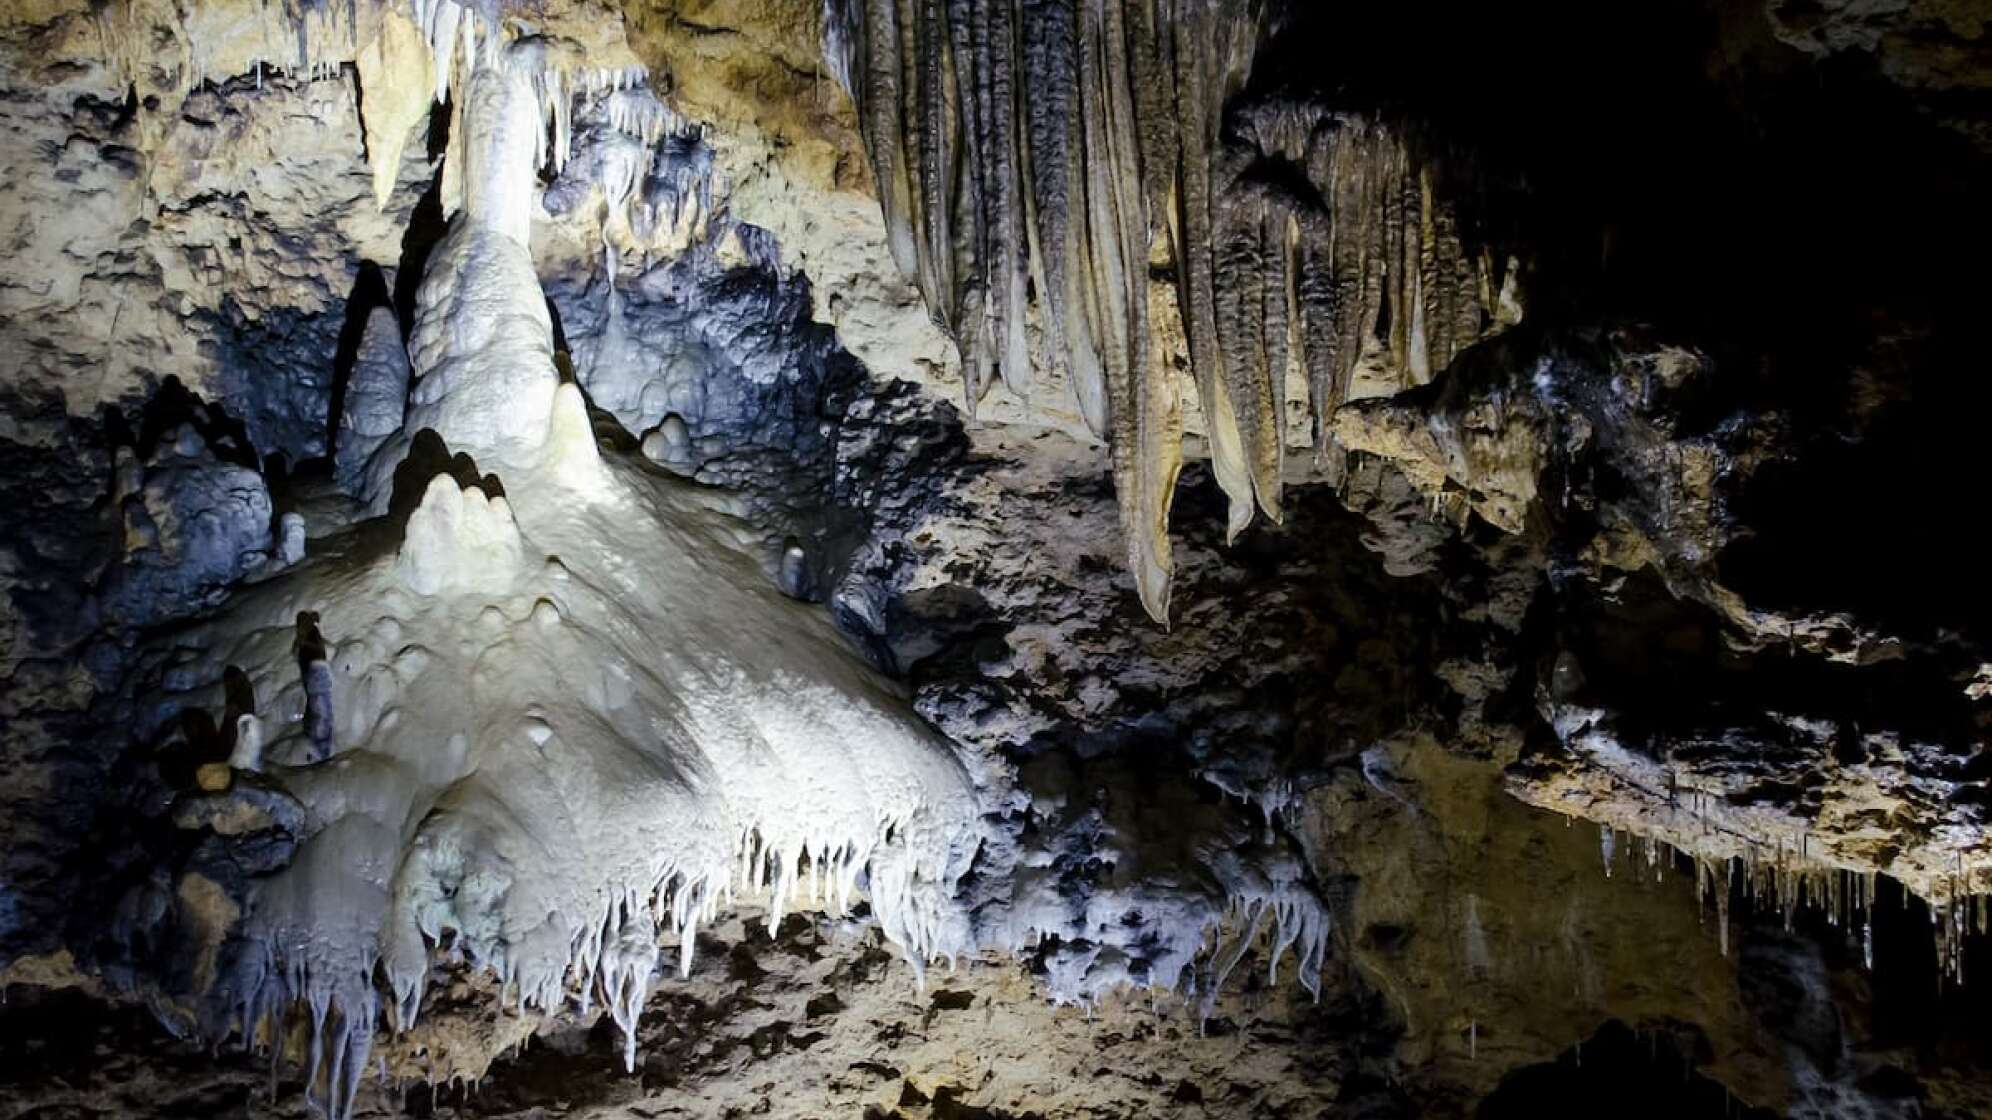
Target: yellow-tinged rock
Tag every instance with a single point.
(209, 914)
(214, 777)
(397, 88)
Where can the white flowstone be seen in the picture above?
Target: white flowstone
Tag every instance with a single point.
(594, 658)
(290, 539)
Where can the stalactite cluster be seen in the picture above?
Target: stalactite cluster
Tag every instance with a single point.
(1030, 154)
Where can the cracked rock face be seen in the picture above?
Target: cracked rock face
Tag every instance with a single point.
(703, 558)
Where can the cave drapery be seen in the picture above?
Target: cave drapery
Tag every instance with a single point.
(1071, 145)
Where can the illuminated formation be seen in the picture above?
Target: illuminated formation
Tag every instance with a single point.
(542, 756)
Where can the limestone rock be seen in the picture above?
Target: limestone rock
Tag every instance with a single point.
(213, 777)
(397, 87)
(376, 398)
(199, 525)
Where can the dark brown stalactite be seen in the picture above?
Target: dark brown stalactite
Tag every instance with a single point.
(1370, 227)
(1435, 276)
(1400, 257)
(1051, 151)
(1316, 299)
(883, 133)
(937, 283)
(1100, 282)
(1005, 254)
(1152, 61)
(1276, 295)
(968, 29)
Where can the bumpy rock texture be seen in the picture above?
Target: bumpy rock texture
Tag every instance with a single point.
(1602, 706)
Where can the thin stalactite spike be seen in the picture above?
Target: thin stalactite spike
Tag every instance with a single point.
(1007, 259)
(936, 171)
(1277, 248)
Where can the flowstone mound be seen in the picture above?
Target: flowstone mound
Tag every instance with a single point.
(508, 740)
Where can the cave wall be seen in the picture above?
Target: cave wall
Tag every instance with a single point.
(1709, 546)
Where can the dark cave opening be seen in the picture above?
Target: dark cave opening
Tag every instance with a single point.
(1646, 1074)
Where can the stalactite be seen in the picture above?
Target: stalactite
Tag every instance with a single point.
(970, 227)
(1197, 106)
(1145, 473)
(1400, 270)
(883, 128)
(1102, 284)
(936, 171)
(1239, 286)
(1005, 255)
(1276, 296)
(1053, 151)
(1142, 408)
(1060, 140)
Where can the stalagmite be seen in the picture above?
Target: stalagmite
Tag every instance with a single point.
(376, 399)
(248, 751)
(289, 539)
(501, 677)
(317, 673)
(670, 445)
